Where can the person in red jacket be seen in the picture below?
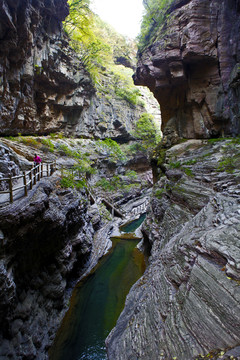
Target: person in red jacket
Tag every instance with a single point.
(37, 160)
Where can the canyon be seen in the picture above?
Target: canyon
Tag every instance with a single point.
(186, 305)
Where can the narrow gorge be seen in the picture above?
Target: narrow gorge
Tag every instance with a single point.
(71, 100)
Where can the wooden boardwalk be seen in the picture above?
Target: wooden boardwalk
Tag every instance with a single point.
(140, 208)
(15, 187)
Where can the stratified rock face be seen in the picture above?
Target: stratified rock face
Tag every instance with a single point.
(9, 164)
(43, 87)
(108, 118)
(193, 68)
(111, 116)
(187, 304)
(45, 241)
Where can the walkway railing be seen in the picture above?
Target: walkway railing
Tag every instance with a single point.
(26, 180)
(102, 198)
(140, 208)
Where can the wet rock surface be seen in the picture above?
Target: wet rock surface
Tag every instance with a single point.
(192, 67)
(187, 304)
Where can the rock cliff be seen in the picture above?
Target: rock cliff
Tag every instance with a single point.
(187, 304)
(192, 67)
(44, 87)
(46, 241)
(108, 115)
(52, 238)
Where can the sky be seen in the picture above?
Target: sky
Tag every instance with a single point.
(124, 15)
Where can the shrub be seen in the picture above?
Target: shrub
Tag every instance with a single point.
(67, 180)
(105, 184)
(175, 165)
(136, 147)
(130, 95)
(132, 174)
(227, 164)
(147, 131)
(29, 141)
(153, 19)
(188, 171)
(112, 148)
(48, 143)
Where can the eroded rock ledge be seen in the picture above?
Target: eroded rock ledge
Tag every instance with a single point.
(187, 304)
(192, 67)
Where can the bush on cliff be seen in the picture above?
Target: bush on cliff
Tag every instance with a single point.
(153, 18)
(97, 43)
(147, 131)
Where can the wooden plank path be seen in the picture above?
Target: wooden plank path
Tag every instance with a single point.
(15, 187)
(114, 209)
(110, 207)
(140, 208)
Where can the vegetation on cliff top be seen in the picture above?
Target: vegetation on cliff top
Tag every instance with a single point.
(147, 131)
(108, 56)
(96, 42)
(153, 19)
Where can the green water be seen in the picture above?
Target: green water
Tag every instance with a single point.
(133, 225)
(97, 302)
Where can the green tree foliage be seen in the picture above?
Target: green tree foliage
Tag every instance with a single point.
(96, 42)
(102, 51)
(82, 27)
(147, 131)
(123, 85)
(153, 19)
(80, 172)
(111, 148)
(79, 16)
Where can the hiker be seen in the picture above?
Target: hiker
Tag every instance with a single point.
(37, 160)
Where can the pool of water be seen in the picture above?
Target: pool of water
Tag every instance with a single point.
(133, 225)
(97, 302)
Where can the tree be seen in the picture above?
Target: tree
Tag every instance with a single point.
(147, 131)
(153, 18)
(97, 43)
(82, 27)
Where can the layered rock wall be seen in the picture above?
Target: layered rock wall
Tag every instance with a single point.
(187, 304)
(192, 67)
(44, 87)
(45, 240)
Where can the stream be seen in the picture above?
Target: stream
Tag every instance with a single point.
(98, 300)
